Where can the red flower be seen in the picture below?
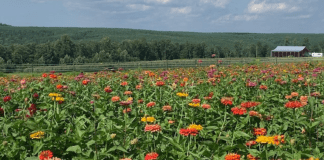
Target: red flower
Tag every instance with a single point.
(160, 83)
(227, 101)
(35, 95)
(1, 111)
(45, 155)
(44, 75)
(152, 128)
(108, 89)
(238, 111)
(249, 104)
(152, 155)
(123, 84)
(125, 103)
(187, 132)
(32, 109)
(53, 76)
(150, 104)
(263, 87)
(293, 104)
(195, 100)
(6, 98)
(251, 157)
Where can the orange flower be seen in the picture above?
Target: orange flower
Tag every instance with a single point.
(288, 96)
(123, 83)
(44, 75)
(140, 101)
(263, 87)
(249, 104)
(250, 143)
(171, 122)
(260, 131)
(53, 76)
(303, 98)
(254, 113)
(128, 92)
(279, 139)
(238, 111)
(294, 94)
(152, 128)
(185, 79)
(85, 82)
(108, 89)
(115, 99)
(138, 87)
(127, 110)
(167, 108)
(232, 156)
(250, 157)
(205, 106)
(150, 104)
(59, 86)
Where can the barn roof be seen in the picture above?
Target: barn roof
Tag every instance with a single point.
(289, 48)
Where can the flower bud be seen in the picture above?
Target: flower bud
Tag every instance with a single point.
(308, 80)
(292, 141)
(4, 143)
(112, 136)
(134, 141)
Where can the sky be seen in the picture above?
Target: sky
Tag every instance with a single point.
(253, 16)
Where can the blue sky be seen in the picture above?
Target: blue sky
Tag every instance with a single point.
(255, 16)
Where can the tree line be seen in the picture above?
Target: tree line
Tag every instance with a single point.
(64, 51)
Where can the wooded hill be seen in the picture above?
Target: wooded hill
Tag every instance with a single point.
(80, 45)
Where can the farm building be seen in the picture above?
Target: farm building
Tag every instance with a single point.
(285, 51)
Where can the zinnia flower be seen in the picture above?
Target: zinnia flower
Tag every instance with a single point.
(197, 127)
(194, 104)
(37, 135)
(232, 156)
(125, 159)
(59, 86)
(159, 83)
(152, 128)
(123, 84)
(205, 106)
(227, 101)
(167, 108)
(250, 143)
(148, 119)
(128, 92)
(182, 94)
(195, 101)
(293, 104)
(108, 89)
(151, 156)
(251, 157)
(127, 110)
(85, 82)
(6, 98)
(150, 104)
(238, 111)
(249, 104)
(35, 95)
(44, 75)
(260, 131)
(187, 132)
(45, 155)
(115, 99)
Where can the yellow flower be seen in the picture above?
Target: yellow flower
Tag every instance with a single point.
(148, 119)
(182, 94)
(58, 99)
(265, 139)
(55, 95)
(37, 135)
(197, 127)
(194, 104)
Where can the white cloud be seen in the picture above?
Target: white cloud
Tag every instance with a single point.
(216, 3)
(230, 18)
(184, 10)
(159, 1)
(263, 7)
(141, 7)
(245, 17)
(299, 17)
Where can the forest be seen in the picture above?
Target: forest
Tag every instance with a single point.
(58, 45)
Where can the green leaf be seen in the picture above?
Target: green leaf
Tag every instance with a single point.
(91, 143)
(254, 152)
(32, 158)
(240, 134)
(75, 149)
(174, 143)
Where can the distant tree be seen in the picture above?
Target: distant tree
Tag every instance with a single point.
(287, 41)
(80, 59)
(238, 47)
(295, 42)
(41, 60)
(306, 43)
(67, 59)
(63, 47)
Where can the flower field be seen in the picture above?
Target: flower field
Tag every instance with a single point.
(252, 112)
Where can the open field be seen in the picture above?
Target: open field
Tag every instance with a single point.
(259, 111)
